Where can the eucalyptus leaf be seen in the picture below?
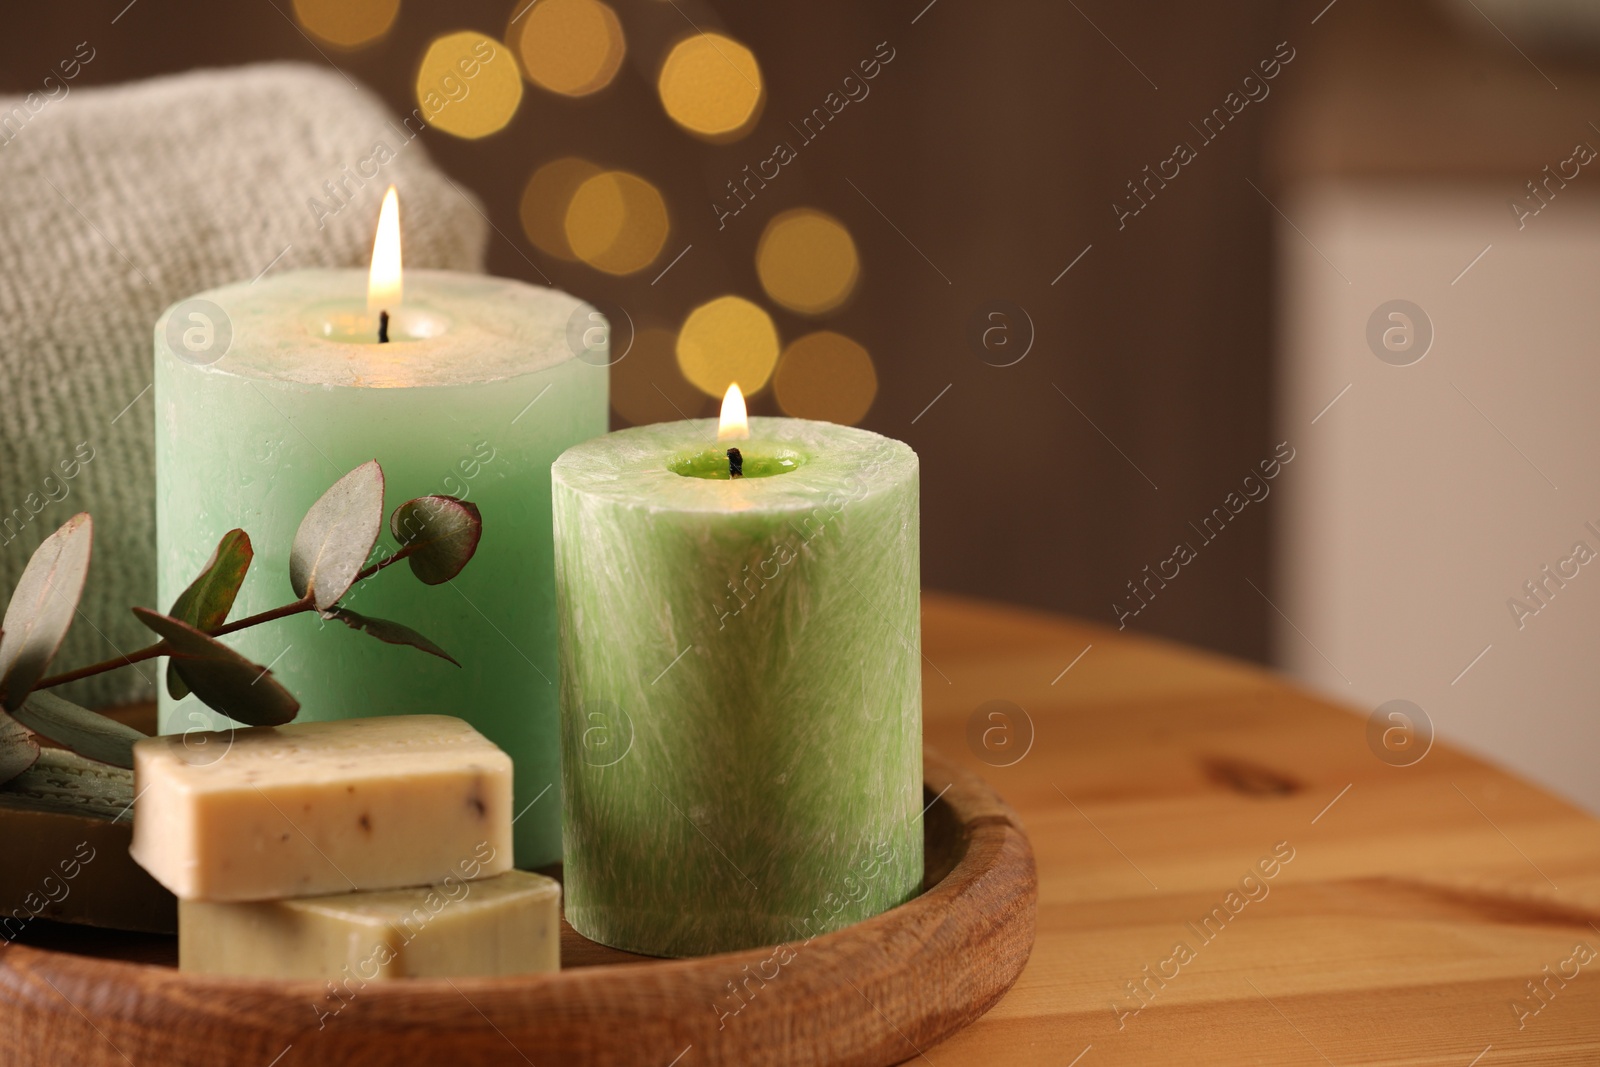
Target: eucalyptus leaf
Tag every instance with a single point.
(223, 679)
(391, 632)
(442, 533)
(336, 536)
(86, 732)
(18, 749)
(42, 608)
(209, 598)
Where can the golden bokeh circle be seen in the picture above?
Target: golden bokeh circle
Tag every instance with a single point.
(725, 340)
(616, 222)
(468, 84)
(648, 387)
(711, 86)
(346, 23)
(826, 376)
(807, 261)
(544, 203)
(571, 47)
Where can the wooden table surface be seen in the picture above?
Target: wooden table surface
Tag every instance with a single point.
(1418, 905)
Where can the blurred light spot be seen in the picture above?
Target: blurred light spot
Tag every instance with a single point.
(347, 23)
(572, 47)
(468, 84)
(616, 222)
(711, 86)
(728, 339)
(544, 203)
(647, 386)
(827, 376)
(807, 261)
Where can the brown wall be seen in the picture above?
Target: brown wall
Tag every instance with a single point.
(994, 145)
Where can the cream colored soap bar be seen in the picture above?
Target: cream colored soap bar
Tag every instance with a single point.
(505, 925)
(321, 807)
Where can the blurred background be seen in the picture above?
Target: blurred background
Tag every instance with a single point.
(1261, 326)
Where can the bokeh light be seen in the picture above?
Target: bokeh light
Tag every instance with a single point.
(468, 84)
(725, 340)
(646, 385)
(711, 86)
(616, 222)
(807, 261)
(347, 23)
(571, 47)
(544, 203)
(827, 376)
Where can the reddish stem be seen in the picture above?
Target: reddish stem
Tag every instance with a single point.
(401, 554)
(161, 649)
(158, 649)
(283, 612)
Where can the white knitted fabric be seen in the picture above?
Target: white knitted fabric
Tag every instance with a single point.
(114, 203)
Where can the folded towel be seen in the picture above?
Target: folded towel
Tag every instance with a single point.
(114, 203)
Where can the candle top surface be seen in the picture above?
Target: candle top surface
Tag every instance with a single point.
(311, 327)
(789, 465)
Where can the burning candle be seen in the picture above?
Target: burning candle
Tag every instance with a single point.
(741, 681)
(267, 392)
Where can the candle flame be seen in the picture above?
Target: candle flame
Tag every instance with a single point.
(734, 424)
(384, 285)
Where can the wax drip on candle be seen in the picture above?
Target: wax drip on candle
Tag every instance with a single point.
(735, 463)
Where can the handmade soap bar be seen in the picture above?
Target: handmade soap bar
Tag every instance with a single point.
(320, 807)
(65, 824)
(510, 924)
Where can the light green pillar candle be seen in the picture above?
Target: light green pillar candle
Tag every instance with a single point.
(266, 393)
(740, 684)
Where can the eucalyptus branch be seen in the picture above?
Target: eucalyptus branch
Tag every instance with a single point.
(161, 648)
(293, 608)
(158, 649)
(396, 557)
(438, 535)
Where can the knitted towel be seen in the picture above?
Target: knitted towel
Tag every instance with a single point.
(114, 203)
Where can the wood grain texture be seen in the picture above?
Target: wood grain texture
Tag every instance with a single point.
(1415, 910)
(867, 995)
(1400, 934)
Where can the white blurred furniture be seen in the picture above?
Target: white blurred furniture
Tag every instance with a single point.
(1425, 498)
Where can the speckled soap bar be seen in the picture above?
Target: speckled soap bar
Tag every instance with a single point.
(509, 924)
(321, 807)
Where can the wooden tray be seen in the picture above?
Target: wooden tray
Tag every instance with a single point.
(879, 992)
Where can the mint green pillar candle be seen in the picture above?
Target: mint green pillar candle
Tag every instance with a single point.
(740, 683)
(266, 393)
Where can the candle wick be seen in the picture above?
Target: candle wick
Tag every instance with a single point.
(735, 463)
(383, 327)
